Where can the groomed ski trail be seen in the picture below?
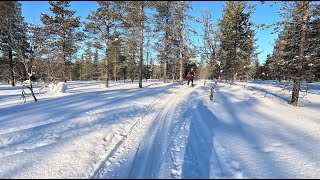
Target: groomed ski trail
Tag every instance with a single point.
(143, 151)
(157, 147)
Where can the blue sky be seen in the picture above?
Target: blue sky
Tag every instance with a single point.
(31, 10)
(262, 14)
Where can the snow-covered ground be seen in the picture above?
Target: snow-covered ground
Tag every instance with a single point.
(249, 130)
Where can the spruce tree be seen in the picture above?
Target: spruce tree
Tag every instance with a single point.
(298, 35)
(237, 39)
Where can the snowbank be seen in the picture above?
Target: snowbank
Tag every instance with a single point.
(61, 87)
(26, 82)
(163, 131)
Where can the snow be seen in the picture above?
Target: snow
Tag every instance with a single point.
(58, 88)
(162, 130)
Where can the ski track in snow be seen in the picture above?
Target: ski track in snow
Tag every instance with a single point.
(167, 148)
(32, 136)
(152, 139)
(161, 131)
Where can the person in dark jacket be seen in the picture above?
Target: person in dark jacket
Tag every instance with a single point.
(191, 74)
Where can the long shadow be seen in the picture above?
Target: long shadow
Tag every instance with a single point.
(199, 147)
(72, 124)
(107, 118)
(152, 151)
(245, 135)
(313, 88)
(12, 173)
(69, 106)
(313, 106)
(286, 99)
(8, 97)
(251, 134)
(77, 84)
(77, 97)
(254, 137)
(200, 144)
(295, 138)
(7, 87)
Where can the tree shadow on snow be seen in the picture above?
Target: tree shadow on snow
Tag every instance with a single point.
(199, 147)
(252, 136)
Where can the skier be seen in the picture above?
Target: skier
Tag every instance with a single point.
(191, 74)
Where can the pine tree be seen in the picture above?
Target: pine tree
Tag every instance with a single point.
(62, 28)
(87, 62)
(210, 48)
(135, 17)
(162, 24)
(95, 69)
(21, 39)
(9, 12)
(181, 8)
(101, 23)
(171, 24)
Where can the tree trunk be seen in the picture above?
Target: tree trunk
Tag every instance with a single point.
(234, 78)
(181, 48)
(64, 60)
(32, 93)
(11, 67)
(70, 68)
(233, 65)
(115, 73)
(166, 44)
(107, 43)
(297, 79)
(147, 73)
(29, 73)
(115, 64)
(295, 91)
(205, 75)
(141, 47)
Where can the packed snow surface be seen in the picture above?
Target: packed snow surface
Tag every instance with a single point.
(163, 130)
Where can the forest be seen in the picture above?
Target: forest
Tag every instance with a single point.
(116, 40)
(101, 90)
